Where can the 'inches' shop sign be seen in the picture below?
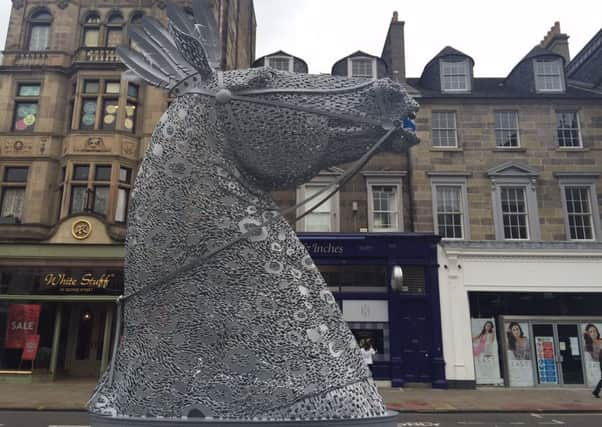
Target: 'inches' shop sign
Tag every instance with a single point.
(87, 282)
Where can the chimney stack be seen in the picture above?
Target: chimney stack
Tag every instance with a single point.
(394, 50)
(557, 42)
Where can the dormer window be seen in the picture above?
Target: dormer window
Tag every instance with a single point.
(362, 67)
(548, 75)
(455, 76)
(282, 63)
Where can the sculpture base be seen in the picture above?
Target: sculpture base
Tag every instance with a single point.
(389, 420)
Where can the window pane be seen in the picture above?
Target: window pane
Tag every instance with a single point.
(15, 174)
(81, 172)
(114, 37)
(548, 75)
(133, 90)
(78, 199)
(91, 86)
(101, 199)
(279, 63)
(102, 173)
(122, 205)
(506, 129)
(27, 89)
(125, 175)
(91, 37)
(514, 213)
(113, 87)
(579, 213)
(38, 38)
(12, 202)
(568, 129)
(317, 221)
(109, 113)
(444, 129)
(454, 75)
(26, 114)
(361, 68)
(130, 117)
(310, 191)
(449, 211)
(385, 209)
(88, 116)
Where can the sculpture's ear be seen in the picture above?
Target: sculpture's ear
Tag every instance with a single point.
(255, 78)
(193, 51)
(184, 33)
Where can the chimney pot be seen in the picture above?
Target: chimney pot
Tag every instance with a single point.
(395, 17)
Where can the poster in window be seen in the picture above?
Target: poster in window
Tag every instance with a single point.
(546, 360)
(592, 346)
(518, 354)
(485, 351)
(22, 320)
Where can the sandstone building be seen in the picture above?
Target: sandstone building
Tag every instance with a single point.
(72, 134)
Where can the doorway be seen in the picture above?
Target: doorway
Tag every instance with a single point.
(558, 354)
(85, 340)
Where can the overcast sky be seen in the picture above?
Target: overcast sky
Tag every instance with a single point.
(497, 34)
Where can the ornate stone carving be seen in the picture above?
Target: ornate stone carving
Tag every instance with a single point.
(18, 4)
(160, 4)
(17, 147)
(81, 229)
(63, 3)
(95, 144)
(129, 148)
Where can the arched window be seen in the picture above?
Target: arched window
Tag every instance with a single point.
(39, 30)
(92, 30)
(135, 19)
(114, 29)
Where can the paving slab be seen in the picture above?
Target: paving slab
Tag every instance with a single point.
(73, 395)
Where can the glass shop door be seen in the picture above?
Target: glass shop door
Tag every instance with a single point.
(558, 354)
(570, 354)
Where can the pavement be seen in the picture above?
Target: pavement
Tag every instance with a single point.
(73, 394)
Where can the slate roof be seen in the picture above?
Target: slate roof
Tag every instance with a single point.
(493, 87)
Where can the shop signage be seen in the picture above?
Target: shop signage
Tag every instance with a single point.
(85, 283)
(326, 248)
(22, 322)
(30, 347)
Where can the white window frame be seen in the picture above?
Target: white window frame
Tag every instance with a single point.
(433, 129)
(540, 74)
(575, 180)
(451, 180)
(503, 129)
(390, 181)
(444, 74)
(361, 58)
(322, 181)
(569, 147)
(289, 58)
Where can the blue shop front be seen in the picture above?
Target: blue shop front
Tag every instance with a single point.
(403, 324)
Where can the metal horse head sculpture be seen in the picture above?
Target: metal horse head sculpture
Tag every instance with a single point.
(225, 313)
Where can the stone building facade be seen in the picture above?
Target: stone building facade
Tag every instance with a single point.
(72, 134)
(508, 174)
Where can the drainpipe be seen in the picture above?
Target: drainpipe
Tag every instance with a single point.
(411, 201)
